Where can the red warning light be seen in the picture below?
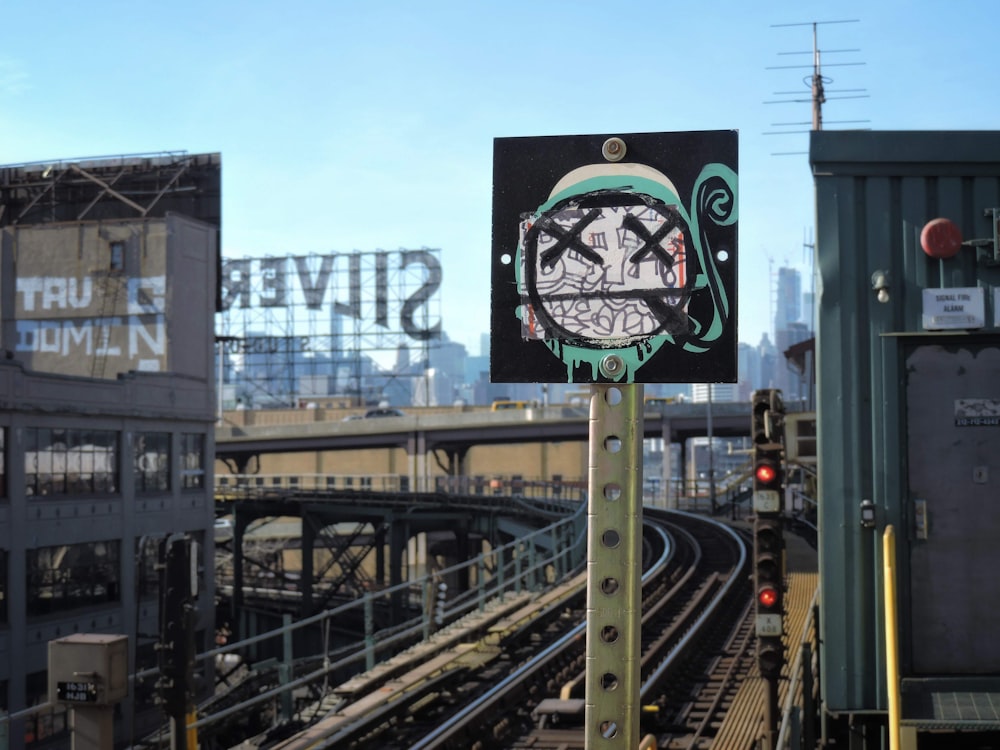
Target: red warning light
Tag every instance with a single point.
(766, 473)
(767, 596)
(941, 238)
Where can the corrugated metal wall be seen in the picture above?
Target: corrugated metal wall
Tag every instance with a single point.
(874, 193)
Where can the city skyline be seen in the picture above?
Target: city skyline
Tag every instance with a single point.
(264, 373)
(367, 126)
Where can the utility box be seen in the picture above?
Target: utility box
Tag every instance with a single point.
(88, 668)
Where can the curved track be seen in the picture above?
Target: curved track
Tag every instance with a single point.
(521, 685)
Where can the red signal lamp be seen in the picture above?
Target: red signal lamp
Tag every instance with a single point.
(770, 657)
(766, 473)
(767, 596)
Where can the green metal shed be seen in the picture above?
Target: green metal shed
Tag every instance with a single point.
(908, 394)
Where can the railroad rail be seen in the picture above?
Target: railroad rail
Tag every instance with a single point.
(696, 640)
(519, 684)
(272, 684)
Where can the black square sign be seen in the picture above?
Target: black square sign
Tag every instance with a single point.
(614, 258)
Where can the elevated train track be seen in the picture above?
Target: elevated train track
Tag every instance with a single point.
(505, 669)
(519, 684)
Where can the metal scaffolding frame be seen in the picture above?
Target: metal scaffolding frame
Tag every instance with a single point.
(296, 329)
(99, 188)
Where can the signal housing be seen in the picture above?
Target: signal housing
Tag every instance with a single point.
(767, 430)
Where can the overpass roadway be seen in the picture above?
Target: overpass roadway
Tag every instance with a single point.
(455, 432)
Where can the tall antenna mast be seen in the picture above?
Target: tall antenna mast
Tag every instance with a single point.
(816, 81)
(818, 95)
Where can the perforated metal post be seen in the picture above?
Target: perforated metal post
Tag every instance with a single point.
(614, 565)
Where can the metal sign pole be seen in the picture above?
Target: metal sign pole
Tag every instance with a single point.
(614, 564)
(614, 264)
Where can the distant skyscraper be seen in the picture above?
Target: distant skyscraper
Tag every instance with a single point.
(768, 363)
(788, 307)
(434, 388)
(789, 329)
(809, 311)
(477, 368)
(402, 358)
(748, 367)
(449, 357)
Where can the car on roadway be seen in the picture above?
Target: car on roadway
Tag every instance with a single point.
(383, 411)
(223, 529)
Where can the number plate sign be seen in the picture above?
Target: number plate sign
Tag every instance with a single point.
(766, 501)
(768, 625)
(614, 258)
(76, 692)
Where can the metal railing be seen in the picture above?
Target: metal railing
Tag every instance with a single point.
(240, 486)
(799, 711)
(539, 559)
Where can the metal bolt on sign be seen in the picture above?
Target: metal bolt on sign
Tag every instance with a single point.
(613, 149)
(611, 366)
(614, 565)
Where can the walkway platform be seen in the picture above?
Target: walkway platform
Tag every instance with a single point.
(744, 723)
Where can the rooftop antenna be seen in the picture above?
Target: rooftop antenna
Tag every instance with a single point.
(816, 82)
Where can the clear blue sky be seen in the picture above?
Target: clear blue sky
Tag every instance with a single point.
(366, 125)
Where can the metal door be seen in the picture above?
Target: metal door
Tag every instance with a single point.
(953, 453)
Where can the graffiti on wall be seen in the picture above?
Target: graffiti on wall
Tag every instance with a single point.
(86, 326)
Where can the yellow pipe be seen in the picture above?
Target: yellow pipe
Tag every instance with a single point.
(891, 629)
(192, 732)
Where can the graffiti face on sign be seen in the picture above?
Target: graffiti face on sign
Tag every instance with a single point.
(613, 260)
(602, 273)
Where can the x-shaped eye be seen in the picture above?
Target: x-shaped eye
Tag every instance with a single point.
(651, 241)
(567, 239)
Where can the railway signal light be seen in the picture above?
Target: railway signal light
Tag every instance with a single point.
(760, 404)
(767, 597)
(769, 591)
(765, 473)
(768, 567)
(770, 656)
(768, 480)
(767, 430)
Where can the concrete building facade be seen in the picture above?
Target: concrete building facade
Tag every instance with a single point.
(107, 411)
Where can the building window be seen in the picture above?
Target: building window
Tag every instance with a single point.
(3, 588)
(3, 462)
(147, 557)
(117, 255)
(193, 460)
(42, 728)
(152, 462)
(60, 461)
(69, 576)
